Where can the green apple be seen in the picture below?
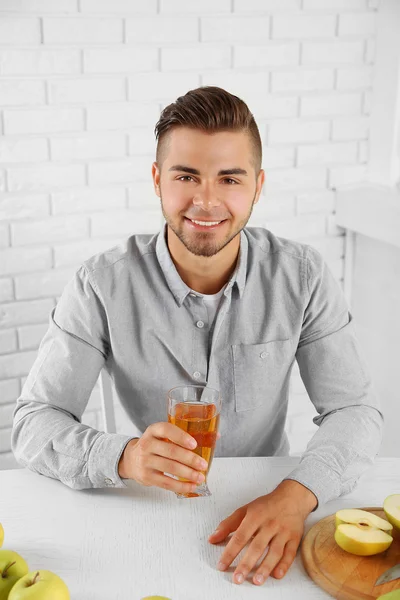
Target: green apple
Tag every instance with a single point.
(391, 506)
(363, 518)
(394, 595)
(40, 585)
(12, 568)
(1, 535)
(362, 540)
(156, 598)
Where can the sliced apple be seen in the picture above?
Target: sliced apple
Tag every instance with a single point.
(362, 540)
(1, 535)
(391, 506)
(362, 517)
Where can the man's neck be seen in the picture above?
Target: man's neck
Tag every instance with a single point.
(203, 274)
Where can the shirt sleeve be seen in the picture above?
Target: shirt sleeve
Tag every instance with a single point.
(336, 377)
(47, 435)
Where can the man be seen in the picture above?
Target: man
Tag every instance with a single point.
(205, 301)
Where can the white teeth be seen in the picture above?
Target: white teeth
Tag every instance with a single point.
(206, 223)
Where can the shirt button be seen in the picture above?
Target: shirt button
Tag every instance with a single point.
(200, 324)
(196, 374)
(108, 481)
(194, 295)
(264, 354)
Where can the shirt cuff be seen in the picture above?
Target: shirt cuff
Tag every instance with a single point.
(103, 460)
(319, 479)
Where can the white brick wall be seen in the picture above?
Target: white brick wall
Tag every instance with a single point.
(119, 116)
(160, 31)
(20, 93)
(333, 53)
(28, 150)
(82, 83)
(42, 120)
(296, 131)
(300, 26)
(15, 30)
(39, 62)
(82, 30)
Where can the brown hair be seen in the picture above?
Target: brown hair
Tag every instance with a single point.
(210, 109)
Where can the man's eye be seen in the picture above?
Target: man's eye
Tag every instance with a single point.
(184, 177)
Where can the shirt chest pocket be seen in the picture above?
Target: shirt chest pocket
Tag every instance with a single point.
(260, 372)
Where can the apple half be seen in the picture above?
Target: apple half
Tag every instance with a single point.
(391, 506)
(361, 532)
(1, 535)
(358, 516)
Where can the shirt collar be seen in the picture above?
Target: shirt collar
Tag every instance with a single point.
(178, 287)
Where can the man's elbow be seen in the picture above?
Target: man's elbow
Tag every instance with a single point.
(19, 443)
(24, 432)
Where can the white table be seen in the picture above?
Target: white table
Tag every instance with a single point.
(130, 543)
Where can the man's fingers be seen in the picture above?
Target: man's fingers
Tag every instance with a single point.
(275, 552)
(256, 549)
(237, 542)
(289, 554)
(227, 525)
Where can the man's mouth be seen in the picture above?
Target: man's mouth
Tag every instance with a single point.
(203, 225)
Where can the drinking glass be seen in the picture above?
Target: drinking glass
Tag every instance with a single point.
(196, 409)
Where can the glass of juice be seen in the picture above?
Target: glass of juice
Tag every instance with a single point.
(196, 409)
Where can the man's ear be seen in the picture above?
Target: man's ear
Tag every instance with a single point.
(260, 183)
(156, 178)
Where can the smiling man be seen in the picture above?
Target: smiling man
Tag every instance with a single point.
(207, 208)
(207, 301)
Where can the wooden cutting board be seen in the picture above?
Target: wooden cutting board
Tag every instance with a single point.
(344, 575)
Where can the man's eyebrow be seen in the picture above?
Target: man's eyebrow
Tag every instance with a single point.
(235, 171)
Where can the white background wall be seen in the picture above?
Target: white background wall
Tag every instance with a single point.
(376, 301)
(82, 84)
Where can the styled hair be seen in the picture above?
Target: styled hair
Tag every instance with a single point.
(210, 109)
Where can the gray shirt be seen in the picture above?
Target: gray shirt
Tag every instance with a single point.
(128, 310)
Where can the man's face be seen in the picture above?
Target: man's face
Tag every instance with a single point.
(192, 187)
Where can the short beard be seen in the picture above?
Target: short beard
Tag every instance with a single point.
(201, 245)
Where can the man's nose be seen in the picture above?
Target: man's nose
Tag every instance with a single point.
(207, 199)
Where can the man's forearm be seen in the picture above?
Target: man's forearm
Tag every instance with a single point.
(52, 443)
(344, 446)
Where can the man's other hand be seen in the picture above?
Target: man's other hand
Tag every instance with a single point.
(275, 520)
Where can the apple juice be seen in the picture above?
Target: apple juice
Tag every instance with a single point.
(199, 420)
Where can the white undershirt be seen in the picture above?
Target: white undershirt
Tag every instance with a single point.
(212, 302)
